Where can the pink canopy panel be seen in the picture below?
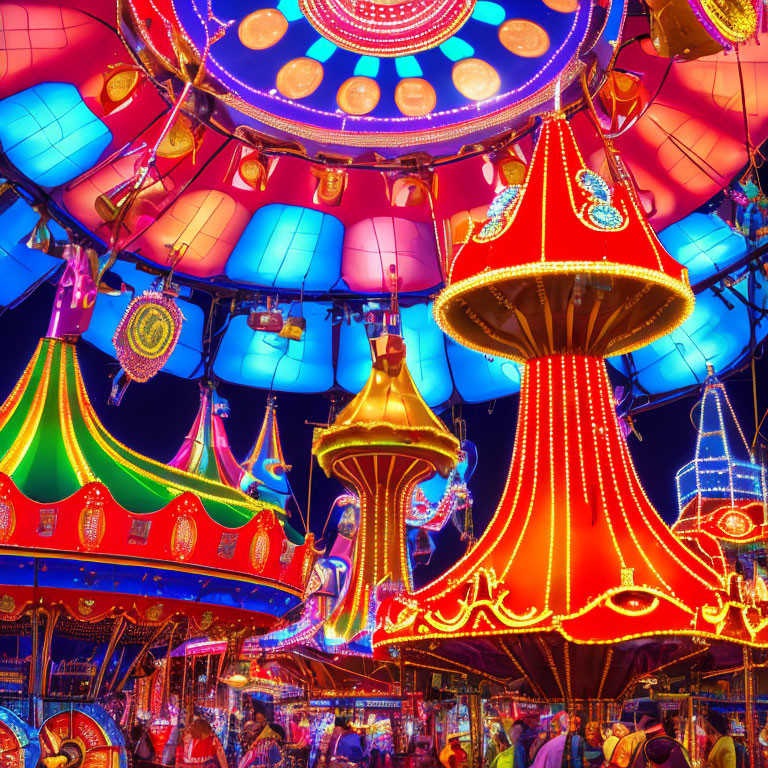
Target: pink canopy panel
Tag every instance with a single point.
(373, 246)
(207, 221)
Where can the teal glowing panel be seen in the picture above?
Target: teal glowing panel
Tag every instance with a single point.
(425, 354)
(478, 377)
(704, 244)
(354, 360)
(717, 332)
(268, 361)
(49, 133)
(21, 267)
(186, 360)
(287, 246)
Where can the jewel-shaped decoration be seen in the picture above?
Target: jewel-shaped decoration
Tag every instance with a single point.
(147, 334)
(499, 212)
(601, 212)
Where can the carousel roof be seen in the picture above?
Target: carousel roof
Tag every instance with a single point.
(173, 536)
(379, 76)
(721, 492)
(265, 461)
(52, 444)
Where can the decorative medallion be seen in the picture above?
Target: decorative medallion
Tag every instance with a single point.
(184, 537)
(600, 211)
(206, 620)
(92, 523)
(85, 607)
(735, 524)
(728, 21)
(306, 566)
(500, 213)
(147, 334)
(260, 550)
(7, 604)
(7, 520)
(155, 612)
(387, 27)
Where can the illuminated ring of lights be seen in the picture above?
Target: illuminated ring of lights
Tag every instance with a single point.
(453, 299)
(387, 27)
(151, 331)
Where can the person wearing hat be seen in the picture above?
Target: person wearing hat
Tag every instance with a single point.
(723, 751)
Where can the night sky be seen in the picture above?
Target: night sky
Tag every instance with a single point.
(154, 418)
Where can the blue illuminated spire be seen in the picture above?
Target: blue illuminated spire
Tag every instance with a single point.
(723, 466)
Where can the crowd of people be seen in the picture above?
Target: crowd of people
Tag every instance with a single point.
(651, 742)
(566, 742)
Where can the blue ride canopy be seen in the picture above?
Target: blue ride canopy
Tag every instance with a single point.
(49, 133)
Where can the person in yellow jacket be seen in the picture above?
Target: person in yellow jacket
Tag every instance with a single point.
(723, 751)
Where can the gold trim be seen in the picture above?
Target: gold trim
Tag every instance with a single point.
(448, 300)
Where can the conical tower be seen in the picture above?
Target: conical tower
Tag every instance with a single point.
(721, 493)
(265, 463)
(576, 576)
(205, 450)
(382, 445)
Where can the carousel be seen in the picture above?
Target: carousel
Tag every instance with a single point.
(401, 211)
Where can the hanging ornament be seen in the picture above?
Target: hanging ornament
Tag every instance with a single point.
(120, 83)
(253, 171)
(179, 140)
(148, 334)
(623, 97)
(331, 183)
(751, 212)
(40, 238)
(75, 293)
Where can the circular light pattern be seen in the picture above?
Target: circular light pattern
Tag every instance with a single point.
(151, 330)
(299, 78)
(358, 95)
(387, 27)
(262, 29)
(562, 6)
(415, 96)
(524, 38)
(476, 79)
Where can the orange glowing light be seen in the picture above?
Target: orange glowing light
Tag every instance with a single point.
(524, 38)
(299, 78)
(415, 97)
(262, 29)
(358, 95)
(476, 79)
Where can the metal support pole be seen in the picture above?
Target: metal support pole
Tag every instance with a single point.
(749, 708)
(475, 707)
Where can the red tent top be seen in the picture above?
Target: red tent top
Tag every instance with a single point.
(586, 233)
